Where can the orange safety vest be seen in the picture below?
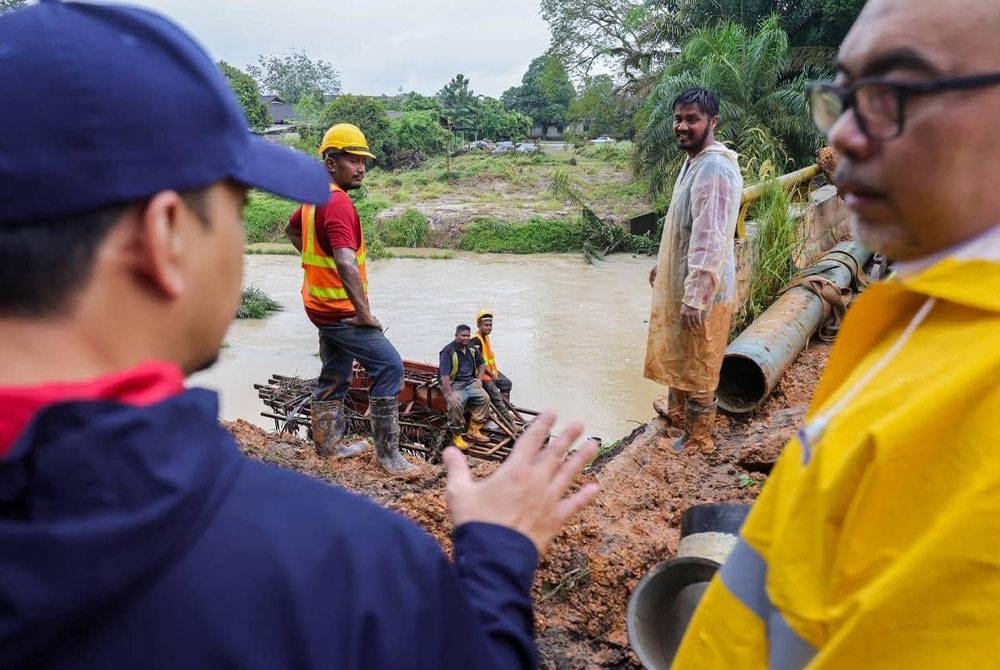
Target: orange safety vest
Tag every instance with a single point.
(322, 289)
(487, 351)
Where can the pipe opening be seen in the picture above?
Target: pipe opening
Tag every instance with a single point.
(742, 385)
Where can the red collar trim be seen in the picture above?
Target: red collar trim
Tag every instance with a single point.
(145, 384)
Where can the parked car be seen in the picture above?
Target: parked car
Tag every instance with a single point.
(504, 147)
(527, 148)
(603, 139)
(480, 145)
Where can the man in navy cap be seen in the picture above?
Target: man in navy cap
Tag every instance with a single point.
(134, 532)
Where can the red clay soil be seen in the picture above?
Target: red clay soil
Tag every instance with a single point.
(584, 581)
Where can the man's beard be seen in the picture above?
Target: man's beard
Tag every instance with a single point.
(696, 142)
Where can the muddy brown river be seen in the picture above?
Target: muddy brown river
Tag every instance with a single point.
(570, 335)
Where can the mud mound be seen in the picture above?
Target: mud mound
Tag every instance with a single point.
(584, 581)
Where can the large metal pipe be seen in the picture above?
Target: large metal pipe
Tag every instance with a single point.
(755, 361)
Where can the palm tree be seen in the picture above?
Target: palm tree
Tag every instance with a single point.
(763, 109)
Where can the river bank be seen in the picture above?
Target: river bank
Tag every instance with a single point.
(505, 203)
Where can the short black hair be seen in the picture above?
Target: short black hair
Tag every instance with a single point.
(462, 328)
(707, 100)
(43, 264)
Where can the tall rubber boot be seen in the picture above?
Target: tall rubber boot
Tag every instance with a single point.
(385, 418)
(475, 432)
(329, 424)
(671, 407)
(701, 426)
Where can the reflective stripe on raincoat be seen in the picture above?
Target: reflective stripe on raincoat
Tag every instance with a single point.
(879, 546)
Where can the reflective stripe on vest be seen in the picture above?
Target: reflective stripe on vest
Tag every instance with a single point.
(744, 575)
(486, 349)
(322, 289)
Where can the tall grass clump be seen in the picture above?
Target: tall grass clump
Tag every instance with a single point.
(266, 216)
(409, 229)
(531, 237)
(774, 245)
(255, 304)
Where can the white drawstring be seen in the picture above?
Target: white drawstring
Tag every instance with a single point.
(814, 430)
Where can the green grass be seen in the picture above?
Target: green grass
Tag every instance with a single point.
(445, 254)
(534, 236)
(255, 304)
(409, 229)
(266, 216)
(773, 247)
(271, 249)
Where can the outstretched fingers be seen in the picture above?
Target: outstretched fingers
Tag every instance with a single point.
(567, 471)
(531, 441)
(459, 475)
(574, 504)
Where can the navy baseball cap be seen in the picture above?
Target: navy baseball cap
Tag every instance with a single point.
(108, 104)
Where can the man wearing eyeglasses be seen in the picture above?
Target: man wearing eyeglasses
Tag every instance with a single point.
(876, 541)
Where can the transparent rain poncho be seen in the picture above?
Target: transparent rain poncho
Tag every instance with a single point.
(696, 266)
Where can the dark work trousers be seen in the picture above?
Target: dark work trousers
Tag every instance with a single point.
(340, 345)
(500, 384)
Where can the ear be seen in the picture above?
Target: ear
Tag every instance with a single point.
(331, 163)
(714, 122)
(162, 232)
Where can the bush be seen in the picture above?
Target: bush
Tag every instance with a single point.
(266, 216)
(409, 229)
(775, 244)
(368, 206)
(616, 154)
(255, 304)
(369, 115)
(420, 133)
(535, 236)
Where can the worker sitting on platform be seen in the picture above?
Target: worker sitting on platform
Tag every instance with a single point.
(461, 368)
(496, 383)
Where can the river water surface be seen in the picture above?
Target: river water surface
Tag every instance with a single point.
(571, 336)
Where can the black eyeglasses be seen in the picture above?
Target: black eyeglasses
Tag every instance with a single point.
(879, 104)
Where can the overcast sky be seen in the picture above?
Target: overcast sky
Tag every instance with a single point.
(378, 46)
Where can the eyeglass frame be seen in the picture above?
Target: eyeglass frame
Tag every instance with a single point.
(903, 90)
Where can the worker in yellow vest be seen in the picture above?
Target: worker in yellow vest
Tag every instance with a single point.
(496, 383)
(335, 294)
(461, 368)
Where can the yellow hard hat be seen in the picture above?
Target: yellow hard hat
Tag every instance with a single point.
(346, 138)
(483, 313)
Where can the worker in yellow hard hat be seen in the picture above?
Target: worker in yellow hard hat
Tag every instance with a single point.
(335, 294)
(496, 383)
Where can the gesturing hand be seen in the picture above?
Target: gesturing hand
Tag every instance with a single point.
(526, 492)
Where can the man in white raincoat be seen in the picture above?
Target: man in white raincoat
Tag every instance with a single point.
(695, 274)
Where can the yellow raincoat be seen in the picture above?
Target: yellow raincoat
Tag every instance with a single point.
(878, 546)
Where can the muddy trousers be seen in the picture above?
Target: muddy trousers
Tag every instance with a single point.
(499, 388)
(476, 400)
(340, 345)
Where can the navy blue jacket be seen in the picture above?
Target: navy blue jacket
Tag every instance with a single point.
(143, 538)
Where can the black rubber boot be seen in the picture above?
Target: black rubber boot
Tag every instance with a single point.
(329, 424)
(701, 426)
(385, 420)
